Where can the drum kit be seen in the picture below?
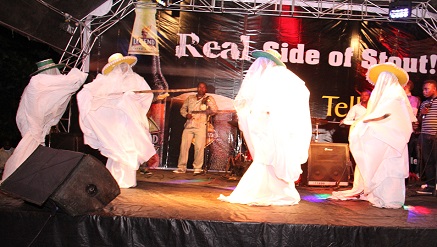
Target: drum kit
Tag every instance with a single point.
(211, 135)
(241, 160)
(314, 121)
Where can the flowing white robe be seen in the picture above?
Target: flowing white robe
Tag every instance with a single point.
(116, 123)
(42, 105)
(273, 114)
(380, 147)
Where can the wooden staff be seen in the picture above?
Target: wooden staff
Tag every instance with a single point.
(377, 118)
(194, 89)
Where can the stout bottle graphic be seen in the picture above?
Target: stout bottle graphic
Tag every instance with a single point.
(144, 44)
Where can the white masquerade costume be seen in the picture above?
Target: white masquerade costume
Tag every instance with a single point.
(273, 114)
(42, 105)
(380, 147)
(116, 123)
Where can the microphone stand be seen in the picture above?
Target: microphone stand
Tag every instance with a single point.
(206, 151)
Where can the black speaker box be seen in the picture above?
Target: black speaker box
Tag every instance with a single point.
(73, 142)
(76, 182)
(66, 141)
(328, 164)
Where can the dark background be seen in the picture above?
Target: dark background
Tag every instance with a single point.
(18, 57)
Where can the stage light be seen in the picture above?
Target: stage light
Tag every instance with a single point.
(68, 25)
(399, 9)
(163, 3)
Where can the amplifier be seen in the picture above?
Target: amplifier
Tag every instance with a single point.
(328, 164)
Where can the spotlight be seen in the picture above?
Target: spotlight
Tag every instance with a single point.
(163, 3)
(68, 25)
(65, 26)
(399, 9)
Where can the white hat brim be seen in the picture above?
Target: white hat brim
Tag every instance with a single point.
(375, 70)
(131, 60)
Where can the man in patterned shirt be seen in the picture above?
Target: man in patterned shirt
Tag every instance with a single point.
(428, 118)
(196, 109)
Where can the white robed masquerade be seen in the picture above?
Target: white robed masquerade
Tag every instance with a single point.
(380, 147)
(42, 105)
(116, 123)
(273, 114)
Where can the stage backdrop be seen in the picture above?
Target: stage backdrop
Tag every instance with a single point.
(331, 56)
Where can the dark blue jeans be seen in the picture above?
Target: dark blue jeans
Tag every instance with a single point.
(429, 157)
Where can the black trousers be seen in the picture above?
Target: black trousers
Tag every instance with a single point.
(414, 153)
(429, 157)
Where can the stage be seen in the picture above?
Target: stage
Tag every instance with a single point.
(168, 209)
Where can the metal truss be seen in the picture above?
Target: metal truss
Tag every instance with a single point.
(362, 10)
(423, 13)
(88, 30)
(86, 33)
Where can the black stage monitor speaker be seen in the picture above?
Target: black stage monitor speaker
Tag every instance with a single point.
(328, 164)
(76, 182)
(66, 141)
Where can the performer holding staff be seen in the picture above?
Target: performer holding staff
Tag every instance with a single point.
(378, 141)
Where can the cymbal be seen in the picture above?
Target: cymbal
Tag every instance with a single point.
(319, 121)
(233, 123)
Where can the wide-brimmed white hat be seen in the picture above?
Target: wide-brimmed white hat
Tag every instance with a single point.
(116, 59)
(270, 54)
(45, 65)
(375, 70)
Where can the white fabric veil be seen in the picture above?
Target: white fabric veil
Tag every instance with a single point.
(114, 120)
(246, 94)
(273, 114)
(42, 105)
(380, 147)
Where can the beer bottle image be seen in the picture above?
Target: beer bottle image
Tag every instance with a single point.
(144, 43)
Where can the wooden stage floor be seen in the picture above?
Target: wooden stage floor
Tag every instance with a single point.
(168, 209)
